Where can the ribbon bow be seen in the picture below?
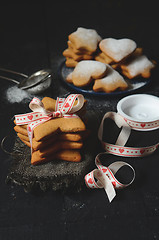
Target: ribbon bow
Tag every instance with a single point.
(104, 177)
(63, 108)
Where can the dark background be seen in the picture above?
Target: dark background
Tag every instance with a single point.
(32, 37)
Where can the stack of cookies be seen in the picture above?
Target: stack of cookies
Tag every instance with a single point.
(123, 54)
(82, 45)
(58, 138)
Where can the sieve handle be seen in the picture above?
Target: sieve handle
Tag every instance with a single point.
(10, 71)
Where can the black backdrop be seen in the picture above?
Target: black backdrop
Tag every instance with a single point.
(32, 37)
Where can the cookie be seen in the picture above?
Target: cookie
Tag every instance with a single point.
(69, 155)
(23, 137)
(51, 149)
(68, 53)
(22, 132)
(69, 78)
(37, 145)
(111, 82)
(63, 136)
(59, 145)
(25, 142)
(70, 137)
(54, 126)
(65, 125)
(85, 39)
(65, 155)
(76, 51)
(50, 103)
(21, 129)
(102, 57)
(86, 71)
(138, 51)
(117, 49)
(70, 62)
(56, 140)
(139, 65)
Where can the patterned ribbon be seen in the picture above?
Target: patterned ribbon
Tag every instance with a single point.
(104, 177)
(142, 126)
(129, 151)
(119, 147)
(64, 108)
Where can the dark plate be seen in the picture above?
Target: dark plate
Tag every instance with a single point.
(134, 85)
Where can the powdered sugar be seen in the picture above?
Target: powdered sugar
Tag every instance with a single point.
(117, 49)
(16, 95)
(87, 38)
(113, 77)
(86, 70)
(139, 65)
(132, 85)
(89, 68)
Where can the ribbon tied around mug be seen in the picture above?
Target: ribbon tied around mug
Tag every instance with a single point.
(119, 148)
(64, 108)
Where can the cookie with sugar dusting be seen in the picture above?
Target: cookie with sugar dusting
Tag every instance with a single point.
(117, 49)
(139, 65)
(76, 51)
(77, 57)
(111, 82)
(70, 62)
(70, 54)
(102, 57)
(85, 39)
(86, 71)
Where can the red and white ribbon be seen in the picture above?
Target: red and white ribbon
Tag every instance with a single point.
(64, 108)
(104, 177)
(142, 126)
(129, 151)
(119, 147)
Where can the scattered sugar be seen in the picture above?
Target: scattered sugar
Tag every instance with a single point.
(138, 85)
(16, 95)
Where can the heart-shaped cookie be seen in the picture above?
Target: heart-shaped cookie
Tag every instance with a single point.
(117, 49)
(85, 71)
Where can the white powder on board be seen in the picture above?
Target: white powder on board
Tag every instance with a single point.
(16, 95)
